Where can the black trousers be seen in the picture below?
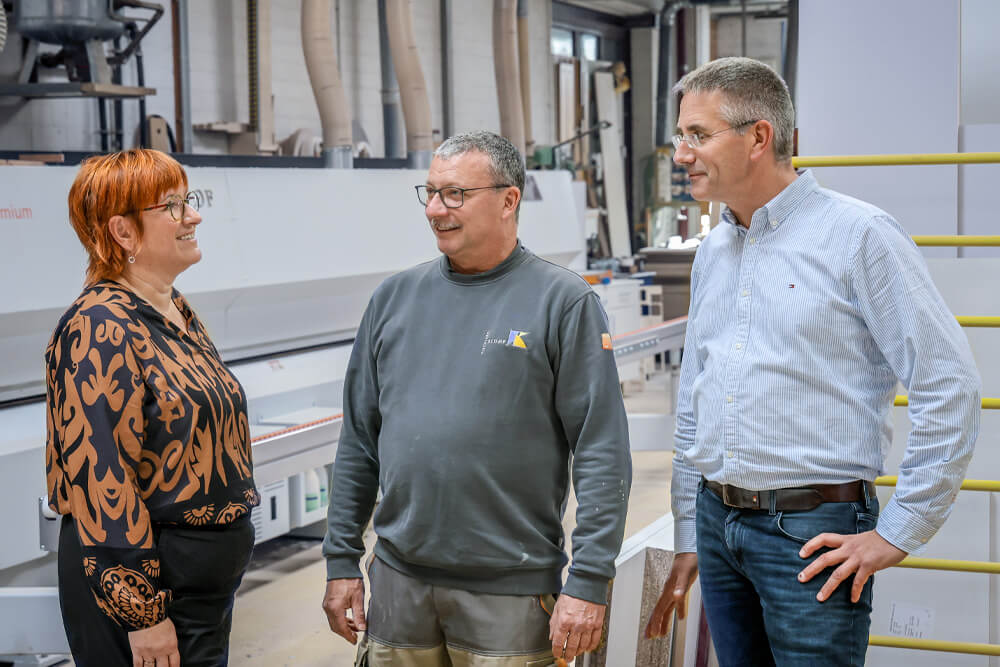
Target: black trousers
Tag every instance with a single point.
(202, 566)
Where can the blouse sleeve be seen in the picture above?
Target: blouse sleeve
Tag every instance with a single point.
(95, 431)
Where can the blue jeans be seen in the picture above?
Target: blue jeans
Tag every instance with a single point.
(757, 610)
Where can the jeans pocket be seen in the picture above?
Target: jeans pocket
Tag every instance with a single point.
(865, 521)
(779, 523)
(840, 518)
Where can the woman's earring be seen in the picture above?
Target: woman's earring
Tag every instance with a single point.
(131, 259)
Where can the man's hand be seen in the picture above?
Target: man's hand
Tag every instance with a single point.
(682, 574)
(863, 555)
(575, 627)
(155, 646)
(343, 595)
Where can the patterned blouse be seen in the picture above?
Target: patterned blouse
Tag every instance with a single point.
(146, 426)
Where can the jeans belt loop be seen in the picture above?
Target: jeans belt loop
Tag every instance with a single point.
(868, 499)
(772, 500)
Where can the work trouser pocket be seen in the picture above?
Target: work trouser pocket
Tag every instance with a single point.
(362, 658)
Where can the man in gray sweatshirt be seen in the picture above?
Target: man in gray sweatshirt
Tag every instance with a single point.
(478, 382)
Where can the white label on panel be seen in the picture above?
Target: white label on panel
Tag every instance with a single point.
(907, 620)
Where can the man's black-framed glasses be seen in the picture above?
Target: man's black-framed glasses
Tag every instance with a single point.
(177, 205)
(451, 196)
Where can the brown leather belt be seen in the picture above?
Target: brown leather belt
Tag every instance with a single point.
(796, 499)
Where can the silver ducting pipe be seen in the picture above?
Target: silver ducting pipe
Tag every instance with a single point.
(412, 86)
(321, 62)
(524, 61)
(391, 125)
(507, 70)
(182, 78)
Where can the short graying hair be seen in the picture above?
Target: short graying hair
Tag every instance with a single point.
(506, 164)
(752, 91)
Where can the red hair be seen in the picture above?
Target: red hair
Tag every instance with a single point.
(117, 184)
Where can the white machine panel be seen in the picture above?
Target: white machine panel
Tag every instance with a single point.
(291, 256)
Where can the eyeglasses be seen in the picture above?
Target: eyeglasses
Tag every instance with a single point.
(451, 196)
(697, 139)
(177, 205)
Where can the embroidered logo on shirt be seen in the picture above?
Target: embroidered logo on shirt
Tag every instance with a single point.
(791, 285)
(515, 338)
(606, 342)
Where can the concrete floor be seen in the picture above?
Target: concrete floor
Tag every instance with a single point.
(278, 620)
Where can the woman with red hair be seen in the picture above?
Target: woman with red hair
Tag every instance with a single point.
(148, 454)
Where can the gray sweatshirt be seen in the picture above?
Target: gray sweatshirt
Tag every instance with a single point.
(465, 397)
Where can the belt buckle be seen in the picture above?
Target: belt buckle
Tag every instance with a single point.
(726, 498)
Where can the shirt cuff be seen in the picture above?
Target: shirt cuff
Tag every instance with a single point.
(902, 529)
(586, 587)
(342, 568)
(685, 541)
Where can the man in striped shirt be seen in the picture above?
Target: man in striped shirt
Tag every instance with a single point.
(807, 307)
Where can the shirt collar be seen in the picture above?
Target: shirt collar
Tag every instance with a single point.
(784, 203)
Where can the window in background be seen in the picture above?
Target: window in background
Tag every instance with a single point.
(562, 42)
(589, 46)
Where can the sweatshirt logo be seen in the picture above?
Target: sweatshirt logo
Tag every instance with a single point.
(515, 338)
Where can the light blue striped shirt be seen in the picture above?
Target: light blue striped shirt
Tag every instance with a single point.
(798, 330)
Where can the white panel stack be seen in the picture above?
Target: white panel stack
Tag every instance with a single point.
(886, 90)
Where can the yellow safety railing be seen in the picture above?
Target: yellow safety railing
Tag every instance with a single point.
(964, 240)
(978, 321)
(967, 485)
(982, 567)
(951, 565)
(895, 160)
(987, 403)
(934, 645)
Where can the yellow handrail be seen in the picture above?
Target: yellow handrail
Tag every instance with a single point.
(903, 159)
(934, 645)
(987, 403)
(981, 566)
(956, 241)
(978, 321)
(967, 485)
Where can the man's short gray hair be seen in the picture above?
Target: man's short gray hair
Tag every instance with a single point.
(506, 165)
(752, 91)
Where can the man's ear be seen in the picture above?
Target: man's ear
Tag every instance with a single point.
(763, 139)
(124, 232)
(512, 199)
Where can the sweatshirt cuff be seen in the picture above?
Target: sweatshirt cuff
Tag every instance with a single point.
(342, 568)
(902, 529)
(685, 541)
(586, 587)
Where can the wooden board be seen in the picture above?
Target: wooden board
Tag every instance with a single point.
(614, 166)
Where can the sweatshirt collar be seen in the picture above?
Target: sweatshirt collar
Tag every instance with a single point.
(515, 259)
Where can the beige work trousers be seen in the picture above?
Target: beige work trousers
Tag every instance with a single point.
(414, 624)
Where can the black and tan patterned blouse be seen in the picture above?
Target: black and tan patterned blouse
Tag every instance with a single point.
(146, 426)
